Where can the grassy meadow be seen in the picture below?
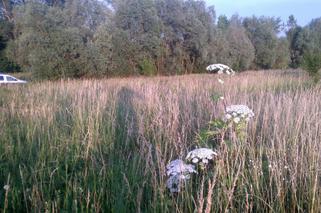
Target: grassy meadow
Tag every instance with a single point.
(103, 145)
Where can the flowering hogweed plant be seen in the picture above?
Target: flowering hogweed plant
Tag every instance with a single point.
(220, 69)
(179, 167)
(238, 113)
(175, 183)
(201, 156)
(179, 173)
(237, 117)
(6, 187)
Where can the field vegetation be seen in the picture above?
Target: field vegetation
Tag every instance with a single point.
(115, 97)
(103, 145)
(54, 39)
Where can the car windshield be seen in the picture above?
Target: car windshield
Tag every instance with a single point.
(11, 79)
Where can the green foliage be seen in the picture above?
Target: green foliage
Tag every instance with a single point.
(314, 30)
(282, 54)
(75, 38)
(222, 22)
(94, 146)
(216, 97)
(6, 65)
(51, 43)
(125, 54)
(292, 22)
(303, 41)
(263, 35)
(218, 125)
(241, 51)
(135, 37)
(232, 45)
(186, 29)
(298, 42)
(147, 67)
(312, 64)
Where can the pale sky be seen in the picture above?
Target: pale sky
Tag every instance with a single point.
(303, 10)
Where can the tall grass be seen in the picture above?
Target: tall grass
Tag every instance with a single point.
(103, 145)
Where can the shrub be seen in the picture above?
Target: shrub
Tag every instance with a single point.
(312, 64)
(147, 67)
(8, 66)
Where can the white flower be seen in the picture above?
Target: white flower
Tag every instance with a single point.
(203, 155)
(176, 182)
(222, 98)
(179, 167)
(6, 187)
(238, 113)
(220, 69)
(236, 120)
(205, 161)
(195, 160)
(178, 173)
(220, 81)
(210, 157)
(228, 116)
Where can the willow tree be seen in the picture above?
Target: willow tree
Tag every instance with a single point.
(50, 42)
(263, 33)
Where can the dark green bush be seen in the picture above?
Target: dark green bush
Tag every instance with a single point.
(147, 67)
(312, 64)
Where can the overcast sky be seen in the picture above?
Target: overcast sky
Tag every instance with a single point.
(303, 10)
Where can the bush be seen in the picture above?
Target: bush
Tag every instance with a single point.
(8, 66)
(312, 64)
(147, 67)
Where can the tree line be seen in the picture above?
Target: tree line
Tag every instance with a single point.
(93, 38)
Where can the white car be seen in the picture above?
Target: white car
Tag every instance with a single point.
(8, 79)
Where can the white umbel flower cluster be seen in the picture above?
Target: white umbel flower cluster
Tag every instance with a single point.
(179, 167)
(238, 113)
(178, 173)
(220, 69)
(201, 156)
(6, 187)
